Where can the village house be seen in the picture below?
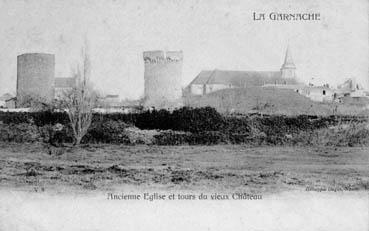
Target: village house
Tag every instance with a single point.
(4, 99)
(318, 93)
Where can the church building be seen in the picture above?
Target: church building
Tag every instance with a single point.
(208, 81)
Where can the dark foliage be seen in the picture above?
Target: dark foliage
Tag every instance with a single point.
(193, 126)
(184, 119)
(23, 132)
(196, 120)
(39, 118)
(56, 137)
(106, 132)
(277, 125)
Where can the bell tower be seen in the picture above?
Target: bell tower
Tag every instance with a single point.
(288, 68)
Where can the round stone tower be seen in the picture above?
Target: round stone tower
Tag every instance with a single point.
(35, 76)
(163, 74)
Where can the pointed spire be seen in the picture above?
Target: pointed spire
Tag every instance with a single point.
(288, 61)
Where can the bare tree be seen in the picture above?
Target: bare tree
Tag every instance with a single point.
(80, 100)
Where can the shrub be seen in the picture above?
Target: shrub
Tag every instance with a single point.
(39, 118)
(197, 119)
(23, 132)
(193, 126)
(237, 125)
(282, 125)
(183, 119)
(54, 136)
(137, 136)
(343, 134)
(170, 137)
(106, 132)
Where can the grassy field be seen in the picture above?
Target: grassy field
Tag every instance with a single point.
(223, 168)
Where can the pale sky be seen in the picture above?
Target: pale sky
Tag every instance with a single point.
(212, 34)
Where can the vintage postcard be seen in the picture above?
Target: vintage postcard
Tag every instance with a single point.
(184, 115)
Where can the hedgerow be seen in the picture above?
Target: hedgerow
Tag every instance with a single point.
(203, 126)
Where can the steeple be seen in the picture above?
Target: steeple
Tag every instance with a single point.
(288, 67)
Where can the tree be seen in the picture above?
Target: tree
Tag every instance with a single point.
(80, 100)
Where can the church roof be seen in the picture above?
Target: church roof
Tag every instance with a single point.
(247, 78)
(238, 78)
(202, 77)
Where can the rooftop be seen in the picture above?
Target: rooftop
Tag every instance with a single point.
(240, 78)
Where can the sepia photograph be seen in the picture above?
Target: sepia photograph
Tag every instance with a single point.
(184, 115)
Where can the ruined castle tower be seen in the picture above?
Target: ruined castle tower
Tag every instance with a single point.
(288, 68)
(163, 74)
(35, 76)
